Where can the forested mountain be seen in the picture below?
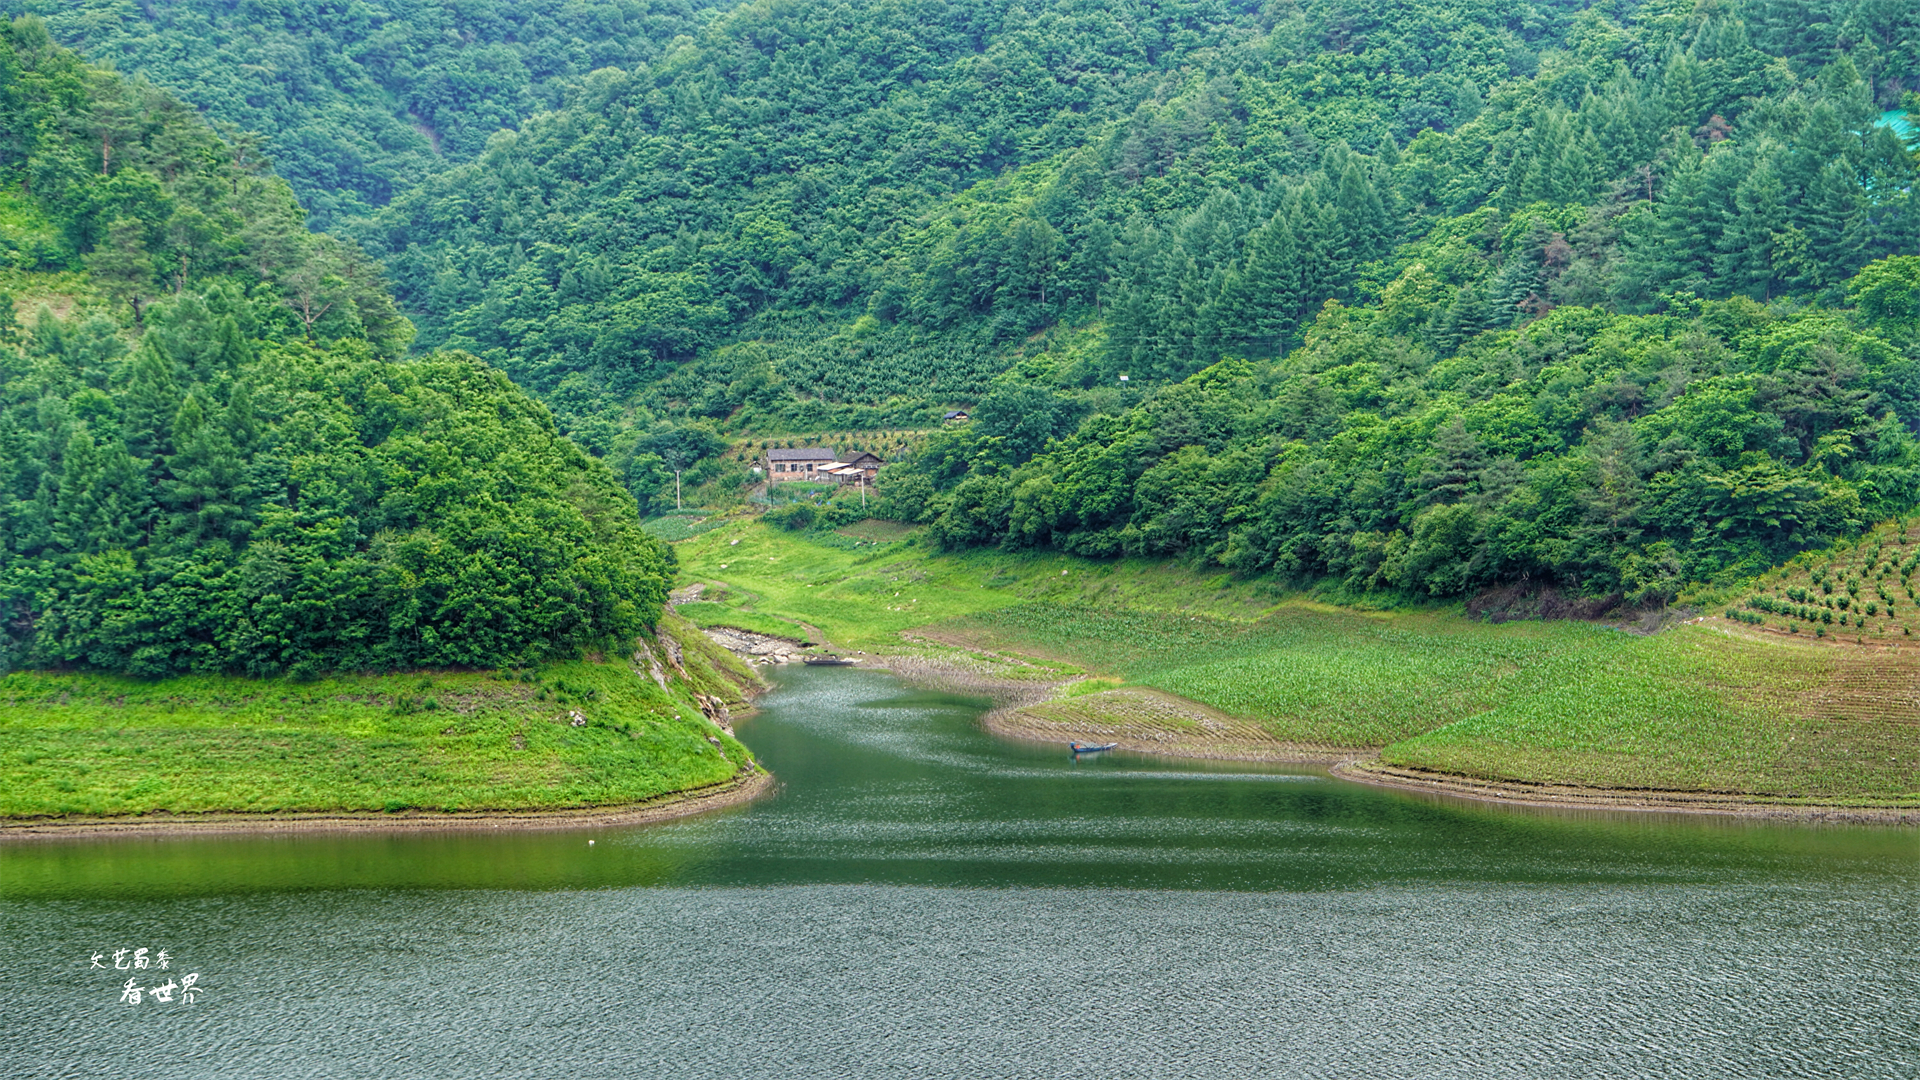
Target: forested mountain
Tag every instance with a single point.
(1598, 335)
(1419, 294)
(217, 460)
(851, 215)
(1604, 452)
(356, 101)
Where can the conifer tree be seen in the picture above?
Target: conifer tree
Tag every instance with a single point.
(1751, 256)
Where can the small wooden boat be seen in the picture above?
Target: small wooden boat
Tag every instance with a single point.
(827, 660)
(1092, 748)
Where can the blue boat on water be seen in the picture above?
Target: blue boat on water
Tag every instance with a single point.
(1091, 748)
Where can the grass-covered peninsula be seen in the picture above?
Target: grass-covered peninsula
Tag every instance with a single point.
(1163, 658)
(592, 733)
(258, 562)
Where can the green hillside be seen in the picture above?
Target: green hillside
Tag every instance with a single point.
(213, 457)
(1613, 297)
(356, 102)
(1604, 452)
(1860, 590)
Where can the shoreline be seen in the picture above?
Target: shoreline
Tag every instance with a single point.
(1373, 772)
(742, 788)
(1209, 735)
(1213, 738)
(1025, 709)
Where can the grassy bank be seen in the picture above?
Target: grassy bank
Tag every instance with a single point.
(96, 745)
(1715, 706)
(1706, 707)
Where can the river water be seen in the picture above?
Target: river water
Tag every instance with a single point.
(921, 899)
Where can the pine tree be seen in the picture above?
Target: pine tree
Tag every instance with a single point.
(1467, 315)
(148, 406)
(1686, 91)
(1453, 471)
(1325, 263)
(123, 267)
(1834, 217)
(1618, 118)
(1750, 256)
(207, 473)
(1262, 302)
(1363, 216)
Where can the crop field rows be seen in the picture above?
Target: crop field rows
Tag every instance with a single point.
(1692, 709)
(1710, 707)
(1862, 592)
(889, 443)
(1305, 674)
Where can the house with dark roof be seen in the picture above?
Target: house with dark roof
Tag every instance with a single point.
(798, 463)
(859, 468)
(955, 417)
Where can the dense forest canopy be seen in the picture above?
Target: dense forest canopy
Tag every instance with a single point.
(868, 203)
(1418, 295)
(1607, 452)
(356, 101)
(218, 461)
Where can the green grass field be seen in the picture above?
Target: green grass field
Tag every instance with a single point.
(105, 745)
(865, 597)
(704, 613)
(1697, 708)
(1715, 707)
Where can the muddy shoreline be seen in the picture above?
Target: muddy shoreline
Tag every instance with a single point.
(1517, 793)
(744, 787)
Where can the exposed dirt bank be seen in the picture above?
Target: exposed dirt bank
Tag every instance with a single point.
(745, 786)
(1373, 771)
(755, 648)
(1149, 721)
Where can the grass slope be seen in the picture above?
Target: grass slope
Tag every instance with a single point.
(862, 594)
(1711, 707)
(75, 744)
(1697, 708)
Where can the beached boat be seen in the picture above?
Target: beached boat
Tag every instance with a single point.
(1092, 748)
(827, 660)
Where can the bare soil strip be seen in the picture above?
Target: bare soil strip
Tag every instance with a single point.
(1154, 722)
(1372, 770)
(744, 787)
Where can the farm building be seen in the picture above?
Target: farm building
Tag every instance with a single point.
(857, 469)
(957, 416)
(799, 463)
